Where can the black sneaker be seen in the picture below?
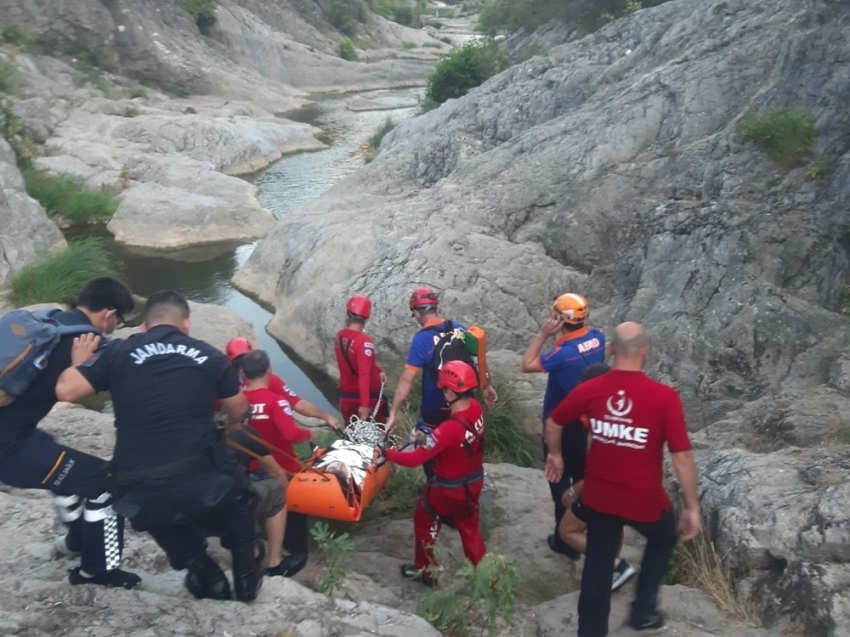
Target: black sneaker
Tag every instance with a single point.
(116, 578)
(652, 621)
(622, 574)
(206, 580)
(292, 564)
(409, 571)
(559, 546)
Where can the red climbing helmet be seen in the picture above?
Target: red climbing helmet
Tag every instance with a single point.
(236, 347)
(359, 305)
(421, 297)
(457, 376)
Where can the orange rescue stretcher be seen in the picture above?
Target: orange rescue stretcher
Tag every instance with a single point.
(324, 493)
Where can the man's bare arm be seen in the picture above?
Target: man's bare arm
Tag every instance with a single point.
(72, 386)
(237, 411)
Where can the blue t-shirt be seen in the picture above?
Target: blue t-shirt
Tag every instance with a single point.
(566, 362)
(420, 354)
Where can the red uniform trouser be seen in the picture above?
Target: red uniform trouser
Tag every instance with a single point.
(462, 504)
(349, 407)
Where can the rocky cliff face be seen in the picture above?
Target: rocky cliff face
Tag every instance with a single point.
(610, 167)
(26, 229)
(253, 50)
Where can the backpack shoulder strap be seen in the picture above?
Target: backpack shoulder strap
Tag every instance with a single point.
(48, 315)
(470, 427)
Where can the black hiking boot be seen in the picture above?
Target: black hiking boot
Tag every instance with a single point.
(248, 571)
(651, 621)
(116, 578)
(559, 546)
(409, 571)
(206, 580)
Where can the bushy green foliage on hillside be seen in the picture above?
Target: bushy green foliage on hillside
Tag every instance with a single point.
(585, 15)
(464, 69)
(66, 196)
(786, 136)
(347, 50)
(346, 14)
(202, 10)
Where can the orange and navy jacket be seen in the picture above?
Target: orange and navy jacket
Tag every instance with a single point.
(566, 361)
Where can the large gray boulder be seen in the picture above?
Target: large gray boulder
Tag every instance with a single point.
(611, 167)
(784, 521)
(25, 230)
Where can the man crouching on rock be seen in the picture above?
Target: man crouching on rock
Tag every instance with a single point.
(171, 473)
(456, 447)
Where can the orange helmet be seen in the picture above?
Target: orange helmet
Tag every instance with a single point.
(571, 308)
(236, 347)
(359, 305)
(457, 376)
(420, 297)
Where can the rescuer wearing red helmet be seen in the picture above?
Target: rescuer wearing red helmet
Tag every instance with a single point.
(296, 538)
(456, 448)
(423, 305)
(360, 377)
(576, 348)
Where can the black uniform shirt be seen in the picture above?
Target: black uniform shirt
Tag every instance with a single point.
(22, 416)
(164, 385)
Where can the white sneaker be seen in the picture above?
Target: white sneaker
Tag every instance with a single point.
(62, 548)
(622, 574)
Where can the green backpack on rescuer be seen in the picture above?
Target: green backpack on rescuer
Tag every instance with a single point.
(26, 341)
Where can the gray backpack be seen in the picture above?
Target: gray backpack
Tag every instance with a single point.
(26, 342)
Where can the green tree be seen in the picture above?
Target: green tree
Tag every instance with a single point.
(464, 69)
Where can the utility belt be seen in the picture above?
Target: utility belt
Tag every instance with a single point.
(457, 483)
(356, 394)
(214, 456)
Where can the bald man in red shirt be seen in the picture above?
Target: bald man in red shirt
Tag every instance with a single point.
(631, 418)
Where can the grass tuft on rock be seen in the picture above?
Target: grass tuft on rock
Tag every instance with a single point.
(57, 277)
(8, 76)
(377, 138)
(66, 197)
(786, 136)
(203, 11)
(506, 439)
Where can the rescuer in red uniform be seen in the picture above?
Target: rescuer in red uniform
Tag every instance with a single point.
(457, 449)
(360, 377)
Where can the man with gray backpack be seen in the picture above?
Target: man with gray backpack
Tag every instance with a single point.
(35, 348)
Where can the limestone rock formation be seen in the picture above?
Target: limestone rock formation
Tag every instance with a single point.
(783, 517)
(172, 161)
(254, 50)
(25, 230)
(612, 167)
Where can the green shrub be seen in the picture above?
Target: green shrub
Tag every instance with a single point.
(137, 91)
(403, 15)
(376, 139)
(16, 35)
(58, 277)
(11, 127)
(203, 11)
(65, 196)
(478, 596)
(346, 14)
(446, 39)
(464, 69)
(347, 50)
(432, 45)
(506, 439)
(786, 136)
(336, 551)
(8, 76)
(434, 24)
(585, 15)
(409, 46)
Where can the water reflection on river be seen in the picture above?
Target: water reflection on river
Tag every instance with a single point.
(204, 275)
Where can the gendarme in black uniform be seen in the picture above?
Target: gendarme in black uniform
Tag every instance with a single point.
(172, 474)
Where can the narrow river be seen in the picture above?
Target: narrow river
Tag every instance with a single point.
(286, 184)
